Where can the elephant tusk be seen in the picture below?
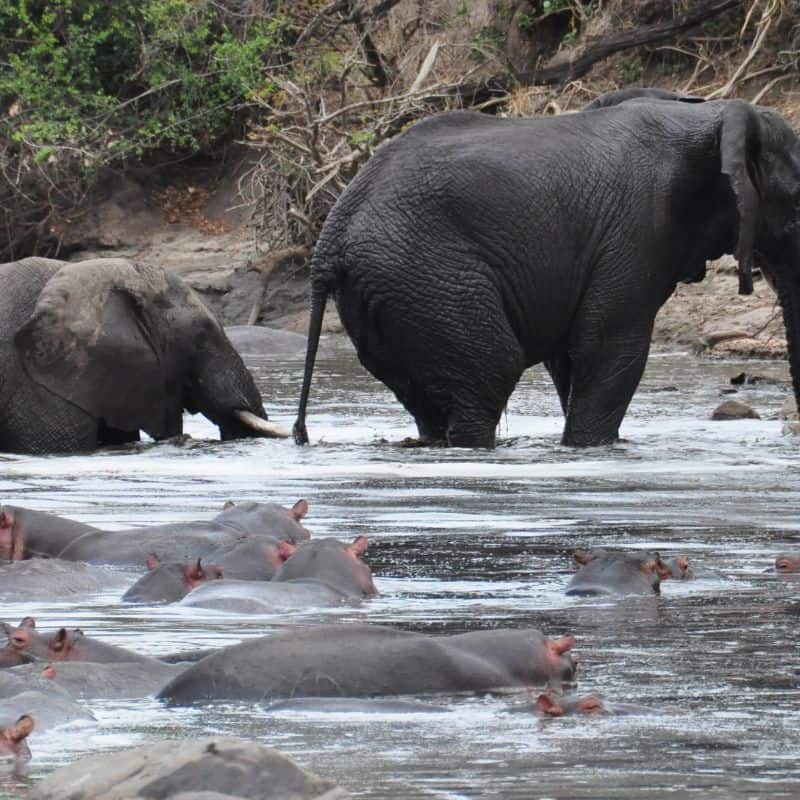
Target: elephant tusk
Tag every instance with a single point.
(261, 425)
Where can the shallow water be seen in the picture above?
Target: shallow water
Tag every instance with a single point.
(463, 539)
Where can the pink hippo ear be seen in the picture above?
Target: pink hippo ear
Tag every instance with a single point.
(49, 672)
(19, 730)
(194, 574)
(561, 645)
(583, 556)
(229, 504)
(286, 550)
(60, 642)
(151, 562)
(27, 622)
(548, 706)
(299, 510)
(359, 546)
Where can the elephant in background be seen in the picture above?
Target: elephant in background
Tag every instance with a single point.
(95, 351)
(472, 247)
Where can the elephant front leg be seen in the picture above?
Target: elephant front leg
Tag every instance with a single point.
(606, 370)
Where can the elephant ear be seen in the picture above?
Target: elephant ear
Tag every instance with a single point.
(739, 145)
(91, 342)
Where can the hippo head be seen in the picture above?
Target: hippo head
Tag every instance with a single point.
(12, 739)
(554, 704)
(267, 518)
(61, 646)
(787, 563)
(676, 568)
(167, 582)
(332, 562)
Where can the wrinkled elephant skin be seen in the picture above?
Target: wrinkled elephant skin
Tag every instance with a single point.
(370, 660)
(94, 352)
(473, 246)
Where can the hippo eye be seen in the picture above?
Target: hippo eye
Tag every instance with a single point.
(591, 706)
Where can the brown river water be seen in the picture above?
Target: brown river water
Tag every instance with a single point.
(465, 539)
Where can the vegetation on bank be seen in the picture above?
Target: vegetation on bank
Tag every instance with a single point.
(313, 86)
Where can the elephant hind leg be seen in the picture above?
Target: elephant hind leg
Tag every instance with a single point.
(604, 380)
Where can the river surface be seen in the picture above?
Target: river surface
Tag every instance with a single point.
(465, 539)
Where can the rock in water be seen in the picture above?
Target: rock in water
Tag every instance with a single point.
(734, 409)
(210, 767)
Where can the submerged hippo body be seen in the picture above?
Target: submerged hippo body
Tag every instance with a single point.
(321, 572)
(604, 572)
(26, 534)
(46, 578)
(49, 708)
(372, 660)
(117, 680)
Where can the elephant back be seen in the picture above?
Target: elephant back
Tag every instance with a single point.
(23, 282)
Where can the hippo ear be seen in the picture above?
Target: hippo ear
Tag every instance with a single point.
(299, 510)
(548, 706)
(60, 641)
(359, 546)
(93, 339)
(583, 556)
(661, 567)
(229, 504)
(151, 562)
(286, 550)
(49, 672)
(20, 729)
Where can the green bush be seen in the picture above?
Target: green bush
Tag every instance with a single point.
(105, 80)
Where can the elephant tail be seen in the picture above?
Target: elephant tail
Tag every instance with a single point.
(319, 296)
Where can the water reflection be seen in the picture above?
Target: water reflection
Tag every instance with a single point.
(465, 539)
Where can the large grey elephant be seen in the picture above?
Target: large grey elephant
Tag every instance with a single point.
(93, 352)
(472, 247)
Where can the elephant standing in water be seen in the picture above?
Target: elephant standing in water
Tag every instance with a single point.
(472, 247)
(93, 352)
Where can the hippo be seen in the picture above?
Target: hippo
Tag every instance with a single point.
(25, 534)
(257, 340)
(64, 645)
(554, 703)
(12, 738)
(360, 660)
(46, 578)
(322, 572)
(604, 572)
(50, 708)
(787, 563)
(87, 680)
(165, 583)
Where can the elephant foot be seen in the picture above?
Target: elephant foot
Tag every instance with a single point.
(422, 441)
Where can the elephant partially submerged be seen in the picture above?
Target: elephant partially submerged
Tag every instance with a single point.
(93, 352)
(472, 247)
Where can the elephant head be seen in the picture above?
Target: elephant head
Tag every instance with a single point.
(132, 346)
